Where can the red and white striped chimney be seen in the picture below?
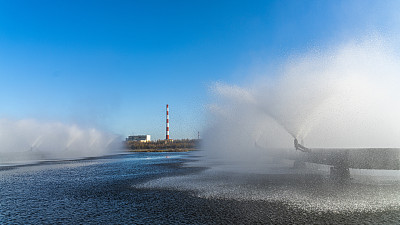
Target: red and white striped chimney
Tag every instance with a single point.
(167, 131)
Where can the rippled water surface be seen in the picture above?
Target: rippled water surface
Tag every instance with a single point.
(160, 188)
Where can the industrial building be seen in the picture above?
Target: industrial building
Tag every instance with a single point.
(140, 138)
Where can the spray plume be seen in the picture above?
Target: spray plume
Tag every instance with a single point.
(30, 140)
(347, 96)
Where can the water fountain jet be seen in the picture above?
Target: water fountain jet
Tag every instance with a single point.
(27, 141)
(345, 100)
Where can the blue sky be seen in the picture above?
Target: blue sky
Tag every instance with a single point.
(115, 64)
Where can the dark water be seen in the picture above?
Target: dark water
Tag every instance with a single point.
(149, 188)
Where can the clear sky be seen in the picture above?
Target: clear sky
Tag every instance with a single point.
(116, 64)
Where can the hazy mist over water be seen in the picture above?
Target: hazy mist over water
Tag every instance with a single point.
(30, 140)
(344, 96)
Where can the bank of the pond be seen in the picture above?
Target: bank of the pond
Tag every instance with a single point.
(183, 145)
(163, 150)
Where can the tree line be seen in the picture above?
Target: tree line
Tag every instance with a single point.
(163, 144)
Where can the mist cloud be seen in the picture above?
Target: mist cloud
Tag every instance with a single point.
(344, 96)
(28, 139)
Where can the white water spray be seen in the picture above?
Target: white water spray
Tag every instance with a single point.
(29, 140)
(347, 96)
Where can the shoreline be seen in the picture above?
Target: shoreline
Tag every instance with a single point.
(164, 150)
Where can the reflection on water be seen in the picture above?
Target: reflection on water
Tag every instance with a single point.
(154, 188)
(74, 191)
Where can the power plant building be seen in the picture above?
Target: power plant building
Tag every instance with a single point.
(140, 138)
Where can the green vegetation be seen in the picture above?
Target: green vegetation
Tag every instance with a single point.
(163, 145)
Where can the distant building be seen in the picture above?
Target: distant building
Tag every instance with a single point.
(141, 138)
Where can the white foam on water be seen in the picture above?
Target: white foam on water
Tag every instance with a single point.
(302, 189)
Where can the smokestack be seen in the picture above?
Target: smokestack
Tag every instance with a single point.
(167, 130)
